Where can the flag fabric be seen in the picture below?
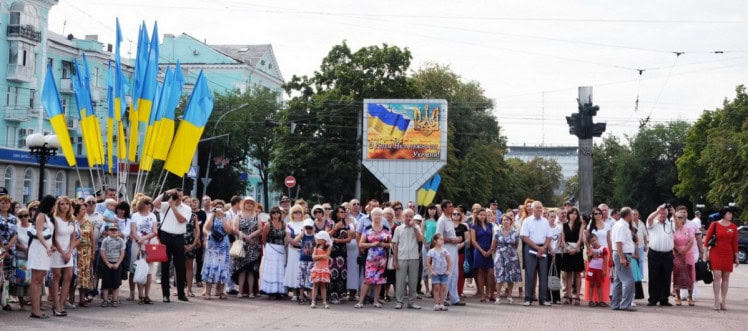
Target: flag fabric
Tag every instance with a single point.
(140, 68)
(120, 92)
(165, 125)
(94, 126)
(53, 108)
(83, 102)
(386, 122)
(149, 81)
(196, 114)
(110, 118)
(431, 191)
(421, 193)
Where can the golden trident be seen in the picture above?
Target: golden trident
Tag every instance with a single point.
(425, 122)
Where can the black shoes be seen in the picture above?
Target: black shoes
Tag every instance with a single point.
(183, 298)
(166, 299)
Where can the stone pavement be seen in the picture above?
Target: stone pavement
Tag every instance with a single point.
(261, 314)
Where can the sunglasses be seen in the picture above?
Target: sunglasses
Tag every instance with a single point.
(597, 213)
(317, 211)
(274, 212)
(356, 204)
(455, 214)
(22, 216)
(90, 202)
(297, 212)
(328, 208)
(398, 208)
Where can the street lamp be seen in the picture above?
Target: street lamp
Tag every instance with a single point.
(206, 179)
(42, 147)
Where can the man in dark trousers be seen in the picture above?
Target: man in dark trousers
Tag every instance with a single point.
(174, 216)
(660, 256)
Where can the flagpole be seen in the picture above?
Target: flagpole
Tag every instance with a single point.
(163, 183)
(93, 182)
(158, 181)
(145, 181)
(80, 180)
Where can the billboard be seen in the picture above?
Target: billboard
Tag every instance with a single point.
(405, 130)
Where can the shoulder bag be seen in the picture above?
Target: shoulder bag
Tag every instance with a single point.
(713, 239)
(237, 248)
(391, 260)
(554, 282)
(156, 252)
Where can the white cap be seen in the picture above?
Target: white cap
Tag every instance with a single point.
(418, 217)
(324, 236)
(308, 222)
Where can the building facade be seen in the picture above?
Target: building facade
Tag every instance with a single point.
(227, 67)
(31, 46)
(566, 156)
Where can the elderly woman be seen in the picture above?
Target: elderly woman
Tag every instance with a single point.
(85, 252)
(506, 260)
(143, 231)
(8, 238)
(375, 239)
(246, 227)
(723, 254)
(217, 263)
(275, 237)
(683, 260)
(338, 268)
(40, 253)
(352, 279)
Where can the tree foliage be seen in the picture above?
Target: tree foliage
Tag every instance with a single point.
(715, 164)
(536, 179)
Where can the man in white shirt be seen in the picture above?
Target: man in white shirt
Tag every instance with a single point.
(536, 235)
(406, 240)
(660, 256)
(623, 252)
(174, 217)
(446, 228)
(609, 221)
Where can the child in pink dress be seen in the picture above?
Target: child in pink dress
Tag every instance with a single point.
(321, 272)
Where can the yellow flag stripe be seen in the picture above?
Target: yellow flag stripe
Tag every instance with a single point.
(61, 130)
(183, 149)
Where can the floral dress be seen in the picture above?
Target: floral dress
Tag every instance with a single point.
(321, 270)
(85, 256)
(251, 259)
(376, 259)
(8, 230)
(217, 263)
(506, 262)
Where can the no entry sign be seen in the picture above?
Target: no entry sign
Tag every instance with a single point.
(290, 181)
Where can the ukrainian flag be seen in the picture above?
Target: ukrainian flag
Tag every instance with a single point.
(431, 190)
(83, 102)
(53, 108)
(110, 118)
(386, 122)
(120, 92)
(95, 128)
(141, 62)
(165, 125)
(149, 82)
(146, 159)
(190, 129)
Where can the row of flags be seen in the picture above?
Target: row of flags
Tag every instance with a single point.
(153, 105)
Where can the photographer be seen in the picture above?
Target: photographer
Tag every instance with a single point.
(171, 233)
(660, 256)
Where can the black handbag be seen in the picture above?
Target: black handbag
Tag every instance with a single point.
(713, 239)
(704, 271)
(361, 258)
(217, 236)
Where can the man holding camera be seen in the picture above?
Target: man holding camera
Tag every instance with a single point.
(174, 217)
(660, 256)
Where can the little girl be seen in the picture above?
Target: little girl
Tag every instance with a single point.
(305, 240)
(321, 272)
(437, 264)
(595, 270)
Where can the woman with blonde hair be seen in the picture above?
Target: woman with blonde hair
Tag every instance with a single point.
(61, 260)
(143, 231)
(293, 228)
(246, 227)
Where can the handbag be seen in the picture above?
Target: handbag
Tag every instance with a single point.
(554, 282)
(713, 239)
(156, 252)
(140, 274)
(703, 271)
(391, 260)
(636, 271)
(217, 236)
(237, 249)
(23, 273)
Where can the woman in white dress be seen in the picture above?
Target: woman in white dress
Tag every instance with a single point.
(143, 230)
(40, 252)
(61, 260)
(353, 280)
(294, 227)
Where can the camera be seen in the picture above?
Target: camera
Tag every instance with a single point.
(171, 196)
(668, 206)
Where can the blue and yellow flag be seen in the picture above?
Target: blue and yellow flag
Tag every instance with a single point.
(386, 122)
(149, 81)
(53, 108)
(120, 93)
(110, 118)
(431, 190)
(86, 116)
(95, 127)
(140, 69)
(167, 107)
(191, 128)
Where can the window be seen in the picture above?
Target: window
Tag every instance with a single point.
(51, 62)
(7, 97)
(32, 96)
(8, 179)
(15, 99)
(64, 105)
(60, 184)
(68, 69)
(27, 178)
(96, 77)
(13, 52)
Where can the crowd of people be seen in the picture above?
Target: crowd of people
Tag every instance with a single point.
(59, 247)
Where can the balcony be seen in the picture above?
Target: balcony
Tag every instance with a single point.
(66, 85)
(72, 124)
(22, 74)
(15, 114)
(25, 32)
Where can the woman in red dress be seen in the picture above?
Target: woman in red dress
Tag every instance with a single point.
(723, 255)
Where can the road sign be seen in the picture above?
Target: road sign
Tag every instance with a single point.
(290, 181)
(193, 172)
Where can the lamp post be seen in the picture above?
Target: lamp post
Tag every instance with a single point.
(42, 147)
(206, 179)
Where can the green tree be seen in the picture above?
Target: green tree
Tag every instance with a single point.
(323, 148)
(606, 156)
(536, 179)
(693, 182)
(645, 178)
